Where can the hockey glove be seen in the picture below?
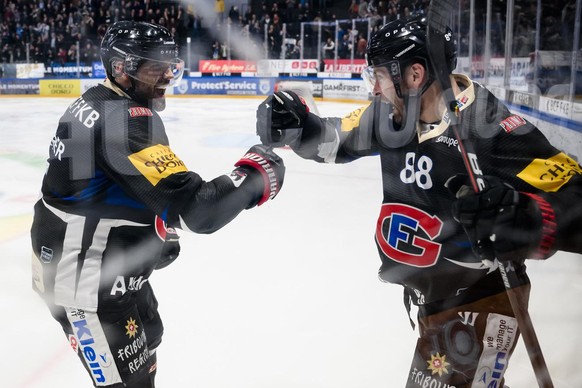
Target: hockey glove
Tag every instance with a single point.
(502, 222)
(280, 118)
(170, 250)
(262, 160)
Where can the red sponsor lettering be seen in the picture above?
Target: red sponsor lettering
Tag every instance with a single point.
(139, 111)
(512, 122)
(344, 65)
(219, 66)
(304, 65)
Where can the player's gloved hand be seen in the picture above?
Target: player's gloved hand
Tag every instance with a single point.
(170, 250)
(278, 114)
(261, 159)
(502, 222)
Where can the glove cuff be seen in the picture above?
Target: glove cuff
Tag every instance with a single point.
(549, 228)
(270, 184)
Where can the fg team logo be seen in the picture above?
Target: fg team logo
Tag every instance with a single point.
(405, 234)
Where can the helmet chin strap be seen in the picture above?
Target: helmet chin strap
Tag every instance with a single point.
(423, 89)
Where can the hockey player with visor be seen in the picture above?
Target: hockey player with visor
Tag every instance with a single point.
(435, 236)
(114, 194)
(150, 66)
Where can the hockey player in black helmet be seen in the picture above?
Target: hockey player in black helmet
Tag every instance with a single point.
(142, 60)
(434, 235)
(398, 47)
(112, 198)
(400, 44)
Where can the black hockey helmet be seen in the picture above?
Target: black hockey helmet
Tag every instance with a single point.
(137, 42)
(403, 42)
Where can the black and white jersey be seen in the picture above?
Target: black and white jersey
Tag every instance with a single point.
(112, 185)
(420, 244)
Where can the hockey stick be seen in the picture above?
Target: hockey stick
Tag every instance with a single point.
(439, 12)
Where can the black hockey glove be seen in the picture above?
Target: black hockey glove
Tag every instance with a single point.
(170, 250)
(502, 222)
(280, 118)
(269, 165)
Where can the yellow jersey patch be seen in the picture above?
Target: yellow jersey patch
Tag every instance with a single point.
(550, 174)
(352, 120)
(157, 162)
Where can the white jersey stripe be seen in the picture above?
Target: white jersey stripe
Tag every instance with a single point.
(67, 267)
(83, 295)
(88, 286)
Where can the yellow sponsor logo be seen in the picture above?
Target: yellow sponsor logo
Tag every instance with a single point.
(352, 120)
(56, 87)
(157, 162)
(550, 174)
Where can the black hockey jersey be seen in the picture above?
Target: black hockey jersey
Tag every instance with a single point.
(420, 244)
(111, 187)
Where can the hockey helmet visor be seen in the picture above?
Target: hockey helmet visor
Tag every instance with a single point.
(385, 76)
(151, 70)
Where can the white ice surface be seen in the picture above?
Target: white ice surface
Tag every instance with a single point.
(285, 296)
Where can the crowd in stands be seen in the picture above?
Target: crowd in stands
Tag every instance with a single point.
(49, 31)
(264, 25)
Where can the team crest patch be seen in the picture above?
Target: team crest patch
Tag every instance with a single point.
(139, 111)
(550, 174)
(407, 235)
(512, 122)
(46, 254)
(157, 162)
(438, 364)
(131, 328)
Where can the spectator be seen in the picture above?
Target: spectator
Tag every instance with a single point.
(6, 54)
(254, 26)
(89, 54)
(216, 50)
(19, 55)
(234, 15)
(49, 56)
(345, 47)
(353, 9)
(219, 9)
(363, 9)
(272, 42)
(62, 56)
(361, 46)
(224, 50)
(372, 9)
(265, 20)
(329, 49)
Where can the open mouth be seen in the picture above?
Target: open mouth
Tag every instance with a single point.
(159, 92)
